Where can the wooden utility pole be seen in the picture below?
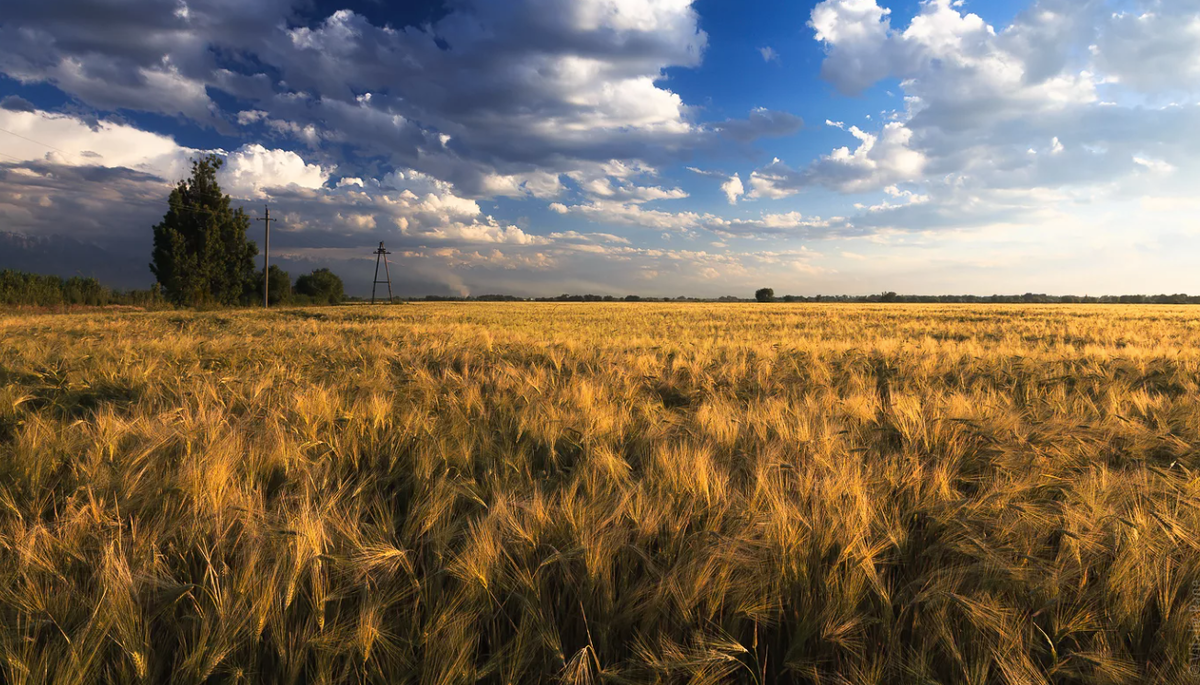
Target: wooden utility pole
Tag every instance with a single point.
(381, 253)
(267, 257)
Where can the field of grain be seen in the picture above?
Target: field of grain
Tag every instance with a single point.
(628, 493)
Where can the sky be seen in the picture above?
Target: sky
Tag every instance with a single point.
(652, 147)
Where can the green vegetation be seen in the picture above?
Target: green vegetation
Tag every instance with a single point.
(31, 290)
(280, 284)
(322, 286)
(201, 254)
(600, 493)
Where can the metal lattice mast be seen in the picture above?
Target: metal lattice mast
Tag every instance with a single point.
(382, 253)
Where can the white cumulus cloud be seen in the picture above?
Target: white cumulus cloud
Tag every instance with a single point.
(733, 189)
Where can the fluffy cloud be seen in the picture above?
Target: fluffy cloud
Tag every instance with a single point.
(145, 55)
(539, 184)
(856, 35)
(100, 143)
(981, 103)
(1152, 49)
(878, 161)
(791, 224)
(124, 166)
(611, 188)
(946, 56)
(249, 172)
(733, 189)
(774, 181)
(608, 212)
(251, 169)
(512, 85)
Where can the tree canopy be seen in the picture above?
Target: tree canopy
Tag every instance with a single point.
(201, 253)
(764, 295)
(322, 285)
(280, 283)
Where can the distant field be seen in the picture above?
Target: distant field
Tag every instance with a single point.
(514, 493)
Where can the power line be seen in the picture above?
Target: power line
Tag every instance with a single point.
(152, 203)
(34, 141)
(126, 201)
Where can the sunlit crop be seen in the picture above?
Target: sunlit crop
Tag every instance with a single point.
(514, 493)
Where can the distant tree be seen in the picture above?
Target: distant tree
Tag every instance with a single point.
(280, 283)
(888, 296)
(322, 285)
(764, 295)
(201, 254)
(632, 298)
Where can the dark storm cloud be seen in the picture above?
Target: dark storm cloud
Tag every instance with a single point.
(134, 32)
(89, 203)
(114, 264)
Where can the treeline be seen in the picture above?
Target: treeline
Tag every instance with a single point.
(1027, 298)
(888, 297)
(21, 289)
(322, 286)
(18, 288)
(560, 298)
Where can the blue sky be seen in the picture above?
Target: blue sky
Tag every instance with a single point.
(660, 147)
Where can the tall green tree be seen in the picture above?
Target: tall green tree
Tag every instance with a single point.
(201, 254)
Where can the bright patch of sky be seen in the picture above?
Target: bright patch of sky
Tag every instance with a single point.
(662, 147)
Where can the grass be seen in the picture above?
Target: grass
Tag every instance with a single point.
(512, 493)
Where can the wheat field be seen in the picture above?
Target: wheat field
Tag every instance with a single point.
(627, 493)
